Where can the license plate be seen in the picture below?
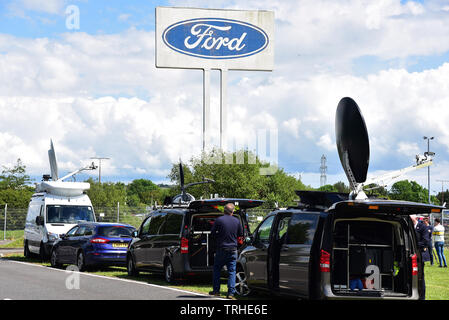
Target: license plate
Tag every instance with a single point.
(120, 245)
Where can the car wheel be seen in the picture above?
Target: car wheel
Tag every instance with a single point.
(54, 259)
(131, 267)
(168, 271)
(26, 250)
(81, 262)
(42, 254)
(241, 285)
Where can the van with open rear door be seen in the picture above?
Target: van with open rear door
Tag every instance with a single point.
(355, 249)
(176, 239)
(340, 246)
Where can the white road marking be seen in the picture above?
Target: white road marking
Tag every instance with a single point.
(116, 279)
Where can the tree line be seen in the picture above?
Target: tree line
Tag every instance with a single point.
(236, 174)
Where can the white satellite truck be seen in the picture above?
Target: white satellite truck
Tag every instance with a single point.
(54, 208)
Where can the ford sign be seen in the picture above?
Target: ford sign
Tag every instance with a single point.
(215, 38)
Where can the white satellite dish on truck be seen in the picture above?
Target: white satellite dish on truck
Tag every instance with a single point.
(55, 208)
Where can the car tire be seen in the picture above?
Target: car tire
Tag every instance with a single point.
(26, 250)
(131, 267)
(81, 261)
(241, 284)
(169, 274)
(42, 254)
(54, 259)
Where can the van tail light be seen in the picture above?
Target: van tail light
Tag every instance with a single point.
(184, 245)
(325, 261)
(414, 265)
(99, 240)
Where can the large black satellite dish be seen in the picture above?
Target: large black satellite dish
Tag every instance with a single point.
(352, 141)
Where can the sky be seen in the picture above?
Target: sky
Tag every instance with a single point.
(93, 88)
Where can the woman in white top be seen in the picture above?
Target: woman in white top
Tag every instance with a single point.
(438, 237)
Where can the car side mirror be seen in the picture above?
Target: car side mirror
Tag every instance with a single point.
(135, 234)
(40, 220)
(63, 236)
(248, 240)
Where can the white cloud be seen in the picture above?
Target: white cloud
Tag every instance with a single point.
(102, 95)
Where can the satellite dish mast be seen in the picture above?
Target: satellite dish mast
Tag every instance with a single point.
(54, 166)
(185, 197)
(53, 162)
(353, 150)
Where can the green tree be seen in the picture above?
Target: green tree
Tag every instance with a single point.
(238, 177)
(443, 197)
(106, 194)
(143, 191)
(15, 177)
(374, 190)
(341, 187)
(16, 198)
(328, 188)
(410, 191)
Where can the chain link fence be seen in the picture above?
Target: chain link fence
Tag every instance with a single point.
(12, 220)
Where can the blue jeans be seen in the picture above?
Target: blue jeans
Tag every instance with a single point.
(222, 258)
(439, 246)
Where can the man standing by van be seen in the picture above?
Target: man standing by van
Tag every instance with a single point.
(226, 231)
(422, 240)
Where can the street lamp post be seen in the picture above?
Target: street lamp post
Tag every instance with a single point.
(428, 168)
(99, 166)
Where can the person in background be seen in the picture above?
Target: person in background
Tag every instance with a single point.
(226, 232)
(422, 240)
(430, 231)
(438, 236)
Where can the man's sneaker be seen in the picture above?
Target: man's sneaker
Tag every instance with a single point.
(213, 293)
(231, 298)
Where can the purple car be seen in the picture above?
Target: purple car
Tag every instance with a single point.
(89, 244)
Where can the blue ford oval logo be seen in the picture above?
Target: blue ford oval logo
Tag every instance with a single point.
(215, 38)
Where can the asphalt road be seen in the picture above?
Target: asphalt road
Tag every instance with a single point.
(26, 281)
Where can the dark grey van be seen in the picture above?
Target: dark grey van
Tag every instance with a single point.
(175, 239)
(355, 249)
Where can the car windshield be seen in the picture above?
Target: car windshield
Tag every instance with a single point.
(69, 214)
(116, 231)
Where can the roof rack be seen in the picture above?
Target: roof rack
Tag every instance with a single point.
(319, 200)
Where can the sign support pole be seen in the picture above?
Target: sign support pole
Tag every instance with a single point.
(206, 107)
(223, 108)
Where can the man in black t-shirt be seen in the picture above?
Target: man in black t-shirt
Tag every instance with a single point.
(226, 231)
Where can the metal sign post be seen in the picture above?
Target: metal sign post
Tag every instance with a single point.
(214, 39)
(223, 108)
(206, 107)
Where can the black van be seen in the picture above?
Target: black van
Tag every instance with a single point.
(175, 239)
(355, 249)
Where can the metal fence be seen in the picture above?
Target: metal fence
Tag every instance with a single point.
(12, 220)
